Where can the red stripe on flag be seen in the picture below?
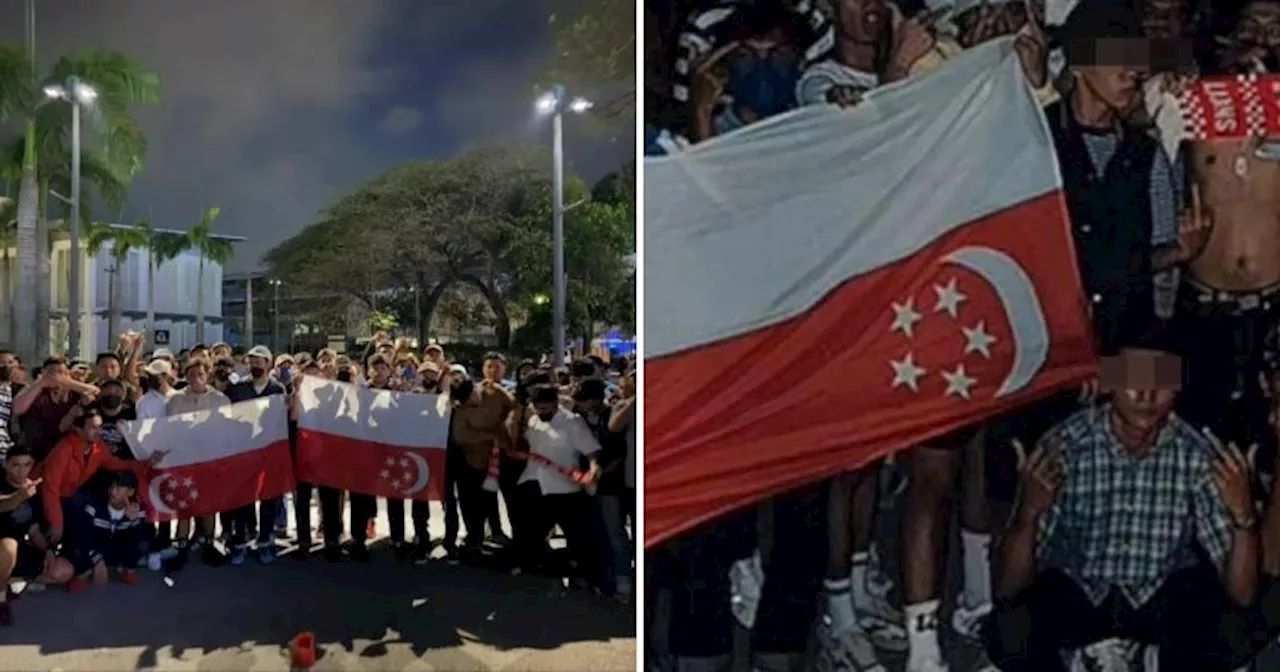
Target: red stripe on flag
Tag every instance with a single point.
(223, 484)
(395, 472)
(731, 423)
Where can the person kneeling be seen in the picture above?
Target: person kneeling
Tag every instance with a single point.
(23, 552)
(1101, 543)
(118, 540)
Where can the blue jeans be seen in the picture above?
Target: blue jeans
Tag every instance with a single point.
(615, 510)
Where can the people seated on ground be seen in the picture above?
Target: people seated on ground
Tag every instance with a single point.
(24, 551)
(119, 537)
(1117, 504)
(70, 466)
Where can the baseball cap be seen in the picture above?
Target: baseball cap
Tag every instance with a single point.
(260, 351)
(283, 358)
(162, 353)
(459, 369)
(160, 367)
(429, 367)
(434, 346)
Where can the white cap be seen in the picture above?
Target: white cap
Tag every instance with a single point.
(260, 351)
(458, 368)
(160, 367)
(162, 353)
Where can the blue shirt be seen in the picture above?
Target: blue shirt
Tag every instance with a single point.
(244, 391)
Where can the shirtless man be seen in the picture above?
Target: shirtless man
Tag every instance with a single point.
(1229, 303)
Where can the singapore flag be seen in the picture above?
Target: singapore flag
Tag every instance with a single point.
(827, 287)
(376, 442)
(216, 460)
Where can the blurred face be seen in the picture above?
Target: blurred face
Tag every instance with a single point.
(18, 468)
(1144, 386)
(119, 495)
(381, 372)
(435, 354)
(197, 379)
(1117, 86)
(109, 368)
(92, 430)
(546, 410)
(494, 370)
(259, 366)
(1164, 18)
(1256, 37)
(863, 21)
(221, 351)
(56, 370)
(7, 360)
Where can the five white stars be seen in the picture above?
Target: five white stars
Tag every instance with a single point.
(906, 372)
(905, 317)
(949, 298)
(978, 340)
(958, 383)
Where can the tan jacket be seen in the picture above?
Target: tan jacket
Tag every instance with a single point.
(476, 426)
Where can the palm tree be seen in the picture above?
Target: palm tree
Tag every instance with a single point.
(8, 224)
(161, 247)
(210, 248)
(114, 138)
(123, 241)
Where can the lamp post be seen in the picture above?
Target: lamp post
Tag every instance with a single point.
(76, 93)
(555, 103)
(275, 314)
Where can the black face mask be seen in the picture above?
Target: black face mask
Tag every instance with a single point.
(344, 376)
(111, 400)
(546, 417)
(257, 372)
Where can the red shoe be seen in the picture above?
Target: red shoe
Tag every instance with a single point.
(75, 585)
(128, 576)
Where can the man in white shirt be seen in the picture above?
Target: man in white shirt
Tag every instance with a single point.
(152, 404)
(551, 487)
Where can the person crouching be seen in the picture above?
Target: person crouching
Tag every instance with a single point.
(119, 537)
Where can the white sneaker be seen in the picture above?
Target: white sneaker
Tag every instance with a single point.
(848, 651)
(966, 620)
(883, 624)
(927, 665)
(154, 562)
(879, 584)
(1110, 655)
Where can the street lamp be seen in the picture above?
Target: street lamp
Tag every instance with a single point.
(555, 103)
(77, 93)
(275, 313)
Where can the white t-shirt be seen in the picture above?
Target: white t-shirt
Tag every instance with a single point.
(823, 76)
(563, 441)
(154, 404)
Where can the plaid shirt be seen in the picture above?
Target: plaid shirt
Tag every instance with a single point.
(1128, 522)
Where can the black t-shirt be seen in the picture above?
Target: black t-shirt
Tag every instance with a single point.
(112, 437)
(613, 453)
(14, 524)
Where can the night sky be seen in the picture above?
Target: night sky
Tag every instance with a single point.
(271, 109)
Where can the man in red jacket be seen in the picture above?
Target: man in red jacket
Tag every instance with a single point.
(69, 466)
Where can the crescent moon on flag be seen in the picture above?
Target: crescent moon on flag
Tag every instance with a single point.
(157, 502)
(424, 473)
(1021, 306)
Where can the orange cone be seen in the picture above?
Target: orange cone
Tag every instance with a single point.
(302, 651)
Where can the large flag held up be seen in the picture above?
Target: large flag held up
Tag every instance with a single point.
(377, 442)
(827, 287)
(217, 460)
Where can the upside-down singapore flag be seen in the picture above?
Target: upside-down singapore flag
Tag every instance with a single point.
(378, 442)
(216, 460)
(827, 287)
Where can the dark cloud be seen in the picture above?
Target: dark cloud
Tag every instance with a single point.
(271, 109)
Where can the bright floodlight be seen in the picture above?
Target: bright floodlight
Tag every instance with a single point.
(85, 93)
(580, 105)
(53, 91)
(546, 103)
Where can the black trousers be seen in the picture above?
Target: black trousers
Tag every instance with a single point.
(361, 508)
(330, 513)
(509, 472)
(540, 513)
(455, 462)
(695, 566)
(477, 503)
(419, 511)
(1190, 619)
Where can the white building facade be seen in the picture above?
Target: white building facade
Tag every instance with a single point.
(176, 290)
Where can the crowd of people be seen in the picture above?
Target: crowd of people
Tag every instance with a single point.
(71, 515)
(1129, 523)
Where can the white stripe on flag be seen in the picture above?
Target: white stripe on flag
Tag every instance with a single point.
(752, 228)
(201, 436)
(391, 418)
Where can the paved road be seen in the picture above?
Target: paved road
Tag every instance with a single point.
(384, 616)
